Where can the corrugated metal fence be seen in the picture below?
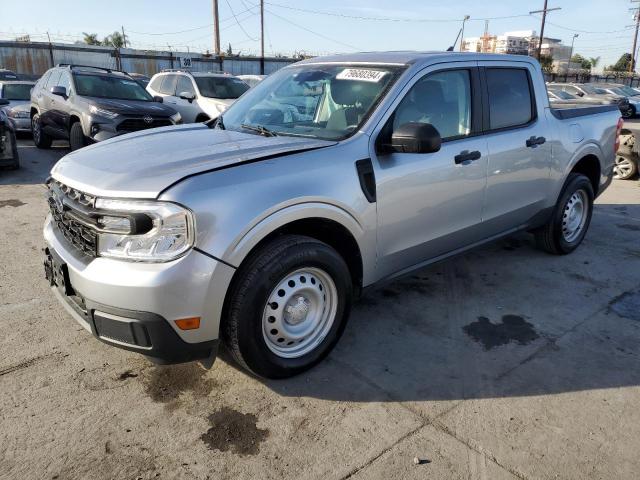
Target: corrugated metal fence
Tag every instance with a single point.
(34, 58)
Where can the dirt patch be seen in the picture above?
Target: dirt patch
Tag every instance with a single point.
(12, 202)
(513, 328)
(234, 431)
(628, 226)
(165, 384)
(627, 305)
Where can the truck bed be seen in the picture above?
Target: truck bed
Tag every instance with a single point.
(564, 111)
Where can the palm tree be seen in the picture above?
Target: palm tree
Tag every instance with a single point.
(91, 38)
(115, 40)
(594, 61)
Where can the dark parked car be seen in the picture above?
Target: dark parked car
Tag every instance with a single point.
(143, 80)
(89, 104)
(8, 145)
(7, 74)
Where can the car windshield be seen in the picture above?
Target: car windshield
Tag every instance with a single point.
(318, 101)
(592, 90)
(17, 91)
(562, 95)
(627, 91)
(110, 86)
(221, 87)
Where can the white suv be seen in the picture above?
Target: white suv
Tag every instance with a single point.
(197, 96)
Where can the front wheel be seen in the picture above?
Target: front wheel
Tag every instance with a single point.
(77, 139)
(41, 139)
(288, 306)
(571, 217)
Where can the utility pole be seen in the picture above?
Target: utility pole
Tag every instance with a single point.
(575, 35)
(124, 37)
(544, 19)
(632, 64)
(261, 37)
(216, 29)
(466, 17)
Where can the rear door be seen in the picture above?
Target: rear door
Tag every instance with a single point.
(519, 143)
(431, 204)
(168, 89)
(47, 105)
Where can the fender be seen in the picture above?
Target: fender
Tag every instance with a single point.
(257, 231)
(589, 148)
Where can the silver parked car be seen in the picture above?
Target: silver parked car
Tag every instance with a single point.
(259, 229)
(595, 94)
(18, 94)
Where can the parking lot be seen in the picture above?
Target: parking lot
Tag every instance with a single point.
(503, 363)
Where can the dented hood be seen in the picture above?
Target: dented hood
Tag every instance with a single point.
(143, 164)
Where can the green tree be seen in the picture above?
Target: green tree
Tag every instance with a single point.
(594, 61)
(622, 65)
(546, 62)
(91, 38)
(580, 60)
(229, 51)
(115, 40)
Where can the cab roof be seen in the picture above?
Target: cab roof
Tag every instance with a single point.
(413, 57)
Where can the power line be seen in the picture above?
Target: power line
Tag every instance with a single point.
(388, 19)
(238, 23)
(313, 32)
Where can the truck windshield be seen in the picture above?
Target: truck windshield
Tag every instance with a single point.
(318, 101)
(108, 86)
(17, 91)
(221, 87)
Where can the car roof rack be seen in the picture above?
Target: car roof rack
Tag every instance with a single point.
(181, 70)
(71, 66)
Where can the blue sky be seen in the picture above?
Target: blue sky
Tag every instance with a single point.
(601, 24)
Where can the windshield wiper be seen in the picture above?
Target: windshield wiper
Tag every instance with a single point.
(259, 129)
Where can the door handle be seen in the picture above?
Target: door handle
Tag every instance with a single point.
(467, 156)
(535, 141)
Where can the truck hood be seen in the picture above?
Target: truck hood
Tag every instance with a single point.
(143, 164)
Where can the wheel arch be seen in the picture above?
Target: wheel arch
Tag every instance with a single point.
(327, 223)
(587, 161)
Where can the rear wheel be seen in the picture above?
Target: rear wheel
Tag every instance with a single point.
(571, 217)
(625, 167)
(288, 306)
(77, 139)
(41, 139)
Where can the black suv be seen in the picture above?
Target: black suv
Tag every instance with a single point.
(85, 104)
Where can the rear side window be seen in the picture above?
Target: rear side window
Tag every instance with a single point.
(510, 98)
(168, 86)
(184, 85)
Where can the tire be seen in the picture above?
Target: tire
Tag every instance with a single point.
(77, 140)
(201, 118)
(629, 112)
(40, 139)
(625, 167)
(557, 236)
(294, 341)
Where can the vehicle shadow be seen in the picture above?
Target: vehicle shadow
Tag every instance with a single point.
(35, 164)
(504, 320)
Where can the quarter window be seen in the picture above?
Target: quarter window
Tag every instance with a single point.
(156, 83)
(442, 99)
(510, 99)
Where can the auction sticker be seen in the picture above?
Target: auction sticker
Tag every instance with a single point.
(362, 74)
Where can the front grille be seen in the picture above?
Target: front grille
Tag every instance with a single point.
(135, 124)
(82, 237)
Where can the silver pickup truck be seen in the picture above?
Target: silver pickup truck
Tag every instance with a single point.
(260, 228)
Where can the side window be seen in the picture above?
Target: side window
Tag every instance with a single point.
(184, 85)
(572, 90)
(442, 99)
(43, 80)
(53, 79)
(168, 86)
(156, 83)
(510, 99)
(65, 81)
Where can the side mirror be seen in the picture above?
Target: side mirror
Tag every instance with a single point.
(416, 138)
(580, 94)
(3, 102)
(187, 96)
(60, 91)
(158, 99)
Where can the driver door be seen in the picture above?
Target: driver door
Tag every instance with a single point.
(431, 204)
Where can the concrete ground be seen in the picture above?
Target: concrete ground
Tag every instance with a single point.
(504, 363)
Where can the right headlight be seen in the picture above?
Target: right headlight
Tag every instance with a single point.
(144, 231)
